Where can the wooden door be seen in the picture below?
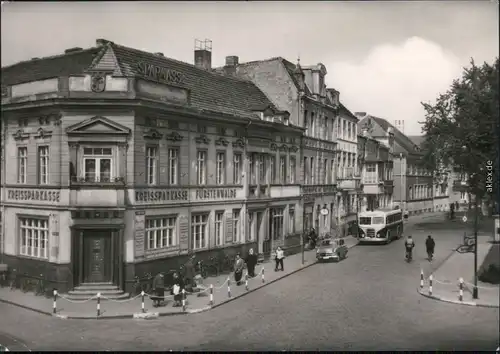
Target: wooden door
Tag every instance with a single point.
(97, 257)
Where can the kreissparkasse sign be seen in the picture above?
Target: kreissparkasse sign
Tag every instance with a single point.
(159, 74)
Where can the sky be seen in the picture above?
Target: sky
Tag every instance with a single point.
(384, 57)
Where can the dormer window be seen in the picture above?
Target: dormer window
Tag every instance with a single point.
(286, 121)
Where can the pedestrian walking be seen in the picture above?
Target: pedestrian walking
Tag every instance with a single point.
(429, 245)
(239, 266)
(158, 289)
(280, 255)
(251, 262)
(189, 273)
(176, 291)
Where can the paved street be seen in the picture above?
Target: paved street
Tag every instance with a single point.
(367, 302)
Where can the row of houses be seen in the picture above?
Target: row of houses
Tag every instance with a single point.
(118, 162)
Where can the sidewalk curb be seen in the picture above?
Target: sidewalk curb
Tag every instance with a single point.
(457, 302)
(154, 315)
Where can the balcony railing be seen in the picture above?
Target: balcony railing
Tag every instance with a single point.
(346, 173)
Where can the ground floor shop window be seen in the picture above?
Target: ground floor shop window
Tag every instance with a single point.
(199, 231)
(219, 228)
(277, 224)
(291, 219)
(236, 225)
(161, 232)
(34, 237)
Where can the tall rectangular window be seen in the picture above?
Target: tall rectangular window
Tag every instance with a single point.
(161, 232)
(34, 237)
(306, 171)
(313, 172)
(313, 126)
(237, 168)
(262, 169)
(199, 231)
(219, 228)
(306, 123)
(201, 167)
(252, 167)
(332, 171)
(291, 219)
(277, 223)
(325, 171)
(151, 164)
(97, 164)
(272, 166)
(236, 225)
(173, 166)
(283, 169)
(293, 167)
(220, 168)
(22, 163)
(43, 164)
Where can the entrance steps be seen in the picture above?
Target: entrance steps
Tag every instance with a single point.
(87, 290)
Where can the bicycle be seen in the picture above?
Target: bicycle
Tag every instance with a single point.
(40, 286)
(208, 269)
(27, 284)
(465, 248)
(13, 284)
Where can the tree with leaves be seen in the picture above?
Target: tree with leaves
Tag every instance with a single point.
(461, 129)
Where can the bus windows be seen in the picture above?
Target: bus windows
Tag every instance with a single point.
(365, 220)
(378, 220)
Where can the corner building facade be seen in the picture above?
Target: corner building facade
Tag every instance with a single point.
(125, 161)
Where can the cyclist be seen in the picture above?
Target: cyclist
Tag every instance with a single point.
(429, 245)
(409, 244)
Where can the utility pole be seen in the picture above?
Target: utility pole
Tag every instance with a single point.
(475, 289)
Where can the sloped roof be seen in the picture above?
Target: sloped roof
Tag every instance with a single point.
(399, 137)
(417, 139)
(208, 90)
(45, 68)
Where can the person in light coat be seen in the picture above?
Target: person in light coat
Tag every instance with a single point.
(280, 255)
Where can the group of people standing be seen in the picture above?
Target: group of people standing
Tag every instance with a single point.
(186, 281)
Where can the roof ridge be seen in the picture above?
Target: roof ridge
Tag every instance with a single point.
(261, 61)
(50, 57)
(182, 62)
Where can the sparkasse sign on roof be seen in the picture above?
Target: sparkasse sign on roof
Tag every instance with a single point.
(159, 74)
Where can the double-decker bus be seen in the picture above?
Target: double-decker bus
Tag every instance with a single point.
(380, 226)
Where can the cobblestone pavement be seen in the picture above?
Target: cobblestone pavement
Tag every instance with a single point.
(366, 302)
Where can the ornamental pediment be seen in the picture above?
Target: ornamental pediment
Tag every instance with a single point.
(98, 125)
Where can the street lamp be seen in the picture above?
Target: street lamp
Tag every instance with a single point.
(475, 294)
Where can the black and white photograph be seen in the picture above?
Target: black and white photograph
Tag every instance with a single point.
(250, 176)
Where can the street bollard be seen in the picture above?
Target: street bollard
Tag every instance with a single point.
(461, 290)
(228, 287)
(246, 282)
(183, 300)
(142, 304)
(54, 305)
(98, 304)
(421, 279)
(430, 284)
(211, 294)
(263, 279)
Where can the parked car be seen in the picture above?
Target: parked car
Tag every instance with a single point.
(331, 250)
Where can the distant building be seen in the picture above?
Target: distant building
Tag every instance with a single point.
(413, 184)
(329, 147)
(376, 164)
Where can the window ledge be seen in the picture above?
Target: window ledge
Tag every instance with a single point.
(117, 182)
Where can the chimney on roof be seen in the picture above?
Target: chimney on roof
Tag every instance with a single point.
(232, 60)
(159, 54)
(72, 50)
(360, 114)
(100, 42)
(203, 54)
